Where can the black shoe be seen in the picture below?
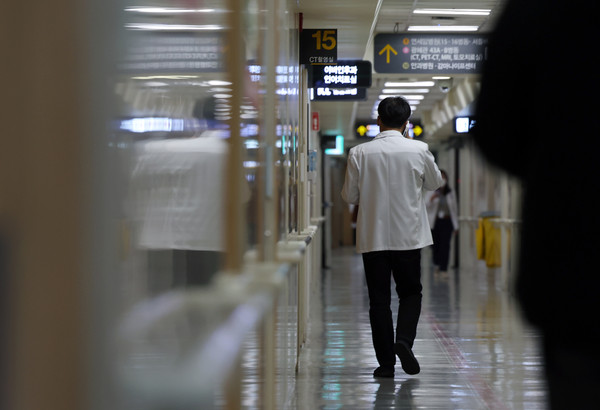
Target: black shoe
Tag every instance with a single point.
(409, 362)
(383, 372)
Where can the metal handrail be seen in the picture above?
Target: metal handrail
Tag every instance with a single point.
(204, 356)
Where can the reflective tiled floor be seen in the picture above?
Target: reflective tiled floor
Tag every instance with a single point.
(474, 351)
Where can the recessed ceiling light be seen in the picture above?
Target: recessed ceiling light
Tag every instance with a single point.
(407, 97)
(443, 28)
(173, 27)
(454, 12)
(165, 77)
(409, 84)
(404, 90)
(167, 10)
(218, 82)
(156, 84)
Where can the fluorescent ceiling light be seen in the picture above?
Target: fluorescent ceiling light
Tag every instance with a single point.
(441, 77)
(404, 90)
(454, 12)
(443, 28)
(410, 84)
(406, 97)
(167, 10)
(156, 84)
(165, 77)
(173, 27)
(218, 82)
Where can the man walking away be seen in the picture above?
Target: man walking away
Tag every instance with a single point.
(387, 178)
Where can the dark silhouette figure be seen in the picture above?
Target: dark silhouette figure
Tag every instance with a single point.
(538, 120)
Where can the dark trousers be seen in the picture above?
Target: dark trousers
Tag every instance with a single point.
(177, 268)
(442, 234)
(405, 266)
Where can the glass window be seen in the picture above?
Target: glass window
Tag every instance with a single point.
(173, 93)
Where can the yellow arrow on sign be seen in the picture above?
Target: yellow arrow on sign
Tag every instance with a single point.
(387, 50)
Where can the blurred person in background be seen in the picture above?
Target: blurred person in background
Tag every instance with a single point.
(179, 186)
(537, 120)
(443, 219)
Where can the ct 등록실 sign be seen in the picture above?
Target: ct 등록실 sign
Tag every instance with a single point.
(318, 46)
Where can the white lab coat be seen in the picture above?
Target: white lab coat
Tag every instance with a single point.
(179, 188)
(432, 208)
(387, 178)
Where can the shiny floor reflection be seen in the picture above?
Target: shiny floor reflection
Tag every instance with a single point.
(474, 350)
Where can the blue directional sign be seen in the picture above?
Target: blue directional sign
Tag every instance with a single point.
(440, 53)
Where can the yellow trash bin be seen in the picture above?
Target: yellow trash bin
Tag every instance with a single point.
(488, 242)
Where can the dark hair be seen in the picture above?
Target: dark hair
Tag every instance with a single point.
(393, 111)
(446, 188)
(204, 109)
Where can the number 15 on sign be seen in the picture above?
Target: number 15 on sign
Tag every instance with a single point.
(325, 39)
(318, 46)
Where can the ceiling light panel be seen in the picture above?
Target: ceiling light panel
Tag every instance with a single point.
(453, 12)
(405, 90)
(444, 28)
(390, 84)
(168, 10)
(405, 96)
(394, 16)
(173, 27)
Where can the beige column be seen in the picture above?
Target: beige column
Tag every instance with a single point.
(41, 204)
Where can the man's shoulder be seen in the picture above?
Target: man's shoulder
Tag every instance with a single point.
(403, 144)
(419, 144)
(408, 143)
(361, 147)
